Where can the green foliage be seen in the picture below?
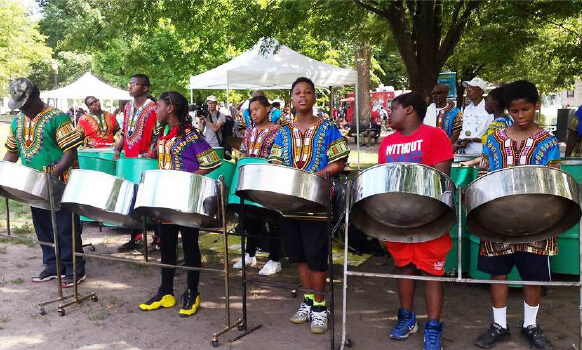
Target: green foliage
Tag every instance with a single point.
(21, 44)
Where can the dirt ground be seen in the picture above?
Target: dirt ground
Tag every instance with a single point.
(115, 322)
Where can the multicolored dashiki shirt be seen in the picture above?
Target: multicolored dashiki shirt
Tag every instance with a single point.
(258, 142)
(98, 130)
(187, 153)
(138, 127)
(42, 140)
(450, 121)
(312, 150)
(502, 152)
(498, 123)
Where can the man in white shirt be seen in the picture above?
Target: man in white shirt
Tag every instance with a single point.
(476, 120)
(212, 123)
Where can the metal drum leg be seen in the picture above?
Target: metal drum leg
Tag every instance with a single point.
(345, 341)
(77, 299)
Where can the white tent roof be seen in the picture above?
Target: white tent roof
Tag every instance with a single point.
(87, 85)
(271, 70)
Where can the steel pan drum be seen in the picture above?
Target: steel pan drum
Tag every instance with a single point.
(226, 170)
(132, 168)
(178, 197)
(522, 204)
(289, 191)
(233, 199)
(99, 159)
(403, 202)
(28, 186)
(101, 197)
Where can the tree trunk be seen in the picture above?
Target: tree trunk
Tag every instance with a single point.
(423, 80)
(363, 63)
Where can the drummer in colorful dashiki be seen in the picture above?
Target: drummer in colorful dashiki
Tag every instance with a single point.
(444, 113)
(139, 121)
(574, 134)
(494, 104)
(523, 143)
(180, 147)
(257, 143)
(43, 138)
(314, 145)
(97, 126)
(415, 142)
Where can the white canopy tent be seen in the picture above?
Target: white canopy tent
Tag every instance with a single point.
(272, 66)
(87, 85)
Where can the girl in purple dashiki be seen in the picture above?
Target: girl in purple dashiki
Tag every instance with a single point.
(257, 142)
(181, 148)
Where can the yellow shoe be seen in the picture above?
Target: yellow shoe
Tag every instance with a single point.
(191, 304)
(157, 301)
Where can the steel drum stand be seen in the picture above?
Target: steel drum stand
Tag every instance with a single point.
(225, 271)
(347, 342)
(243, 327)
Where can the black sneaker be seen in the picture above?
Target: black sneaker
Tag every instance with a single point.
(129, 246)
(44, 276)
(492, 336)
(68, 281)
(536, 337)
(191, 303)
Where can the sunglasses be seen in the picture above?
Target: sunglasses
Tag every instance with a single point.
(93, 102)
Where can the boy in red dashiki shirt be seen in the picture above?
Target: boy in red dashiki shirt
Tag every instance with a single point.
(98, 126)
(183, 148)
(139, 121)
(257, 143)
(416, 142)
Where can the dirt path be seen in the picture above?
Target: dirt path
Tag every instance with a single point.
(114, 322)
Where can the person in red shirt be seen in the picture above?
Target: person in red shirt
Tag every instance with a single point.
(415, 142)
(98, 126)
(139, 122)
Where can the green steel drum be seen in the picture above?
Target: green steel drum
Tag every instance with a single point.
(98, 159)
(233, 199)
(461, 176)
(568, 259)
(132, 168)
(227, 170)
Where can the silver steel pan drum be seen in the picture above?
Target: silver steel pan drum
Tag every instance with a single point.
(178, 197)
(522, 204)
(289, 191)
(101, 197)
(403, 202)
(27, 185)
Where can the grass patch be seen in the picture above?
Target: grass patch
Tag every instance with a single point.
(17, 281)
(22, 229)
(3, 321)
(20, 265)
(98, 315)
(3, 250)
(17, 240)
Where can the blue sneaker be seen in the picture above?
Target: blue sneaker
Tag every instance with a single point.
(433, 331)
(405, 326)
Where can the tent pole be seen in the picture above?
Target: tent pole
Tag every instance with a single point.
(331, 102)
(191, 96)
(357, 111)
(228, 94)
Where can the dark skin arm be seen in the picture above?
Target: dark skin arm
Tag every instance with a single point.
(65, 163)
(571, 139)
(445, 166)
(203, 171)
(333, 168)
(11, 157)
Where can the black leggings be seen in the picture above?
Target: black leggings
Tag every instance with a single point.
(257, 227)
(169, 236)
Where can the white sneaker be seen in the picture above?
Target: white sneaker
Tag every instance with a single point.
(249, 261)
(302, 315)
(318, 321)
(270, 268)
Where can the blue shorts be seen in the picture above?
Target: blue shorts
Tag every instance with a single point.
(531, 267)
